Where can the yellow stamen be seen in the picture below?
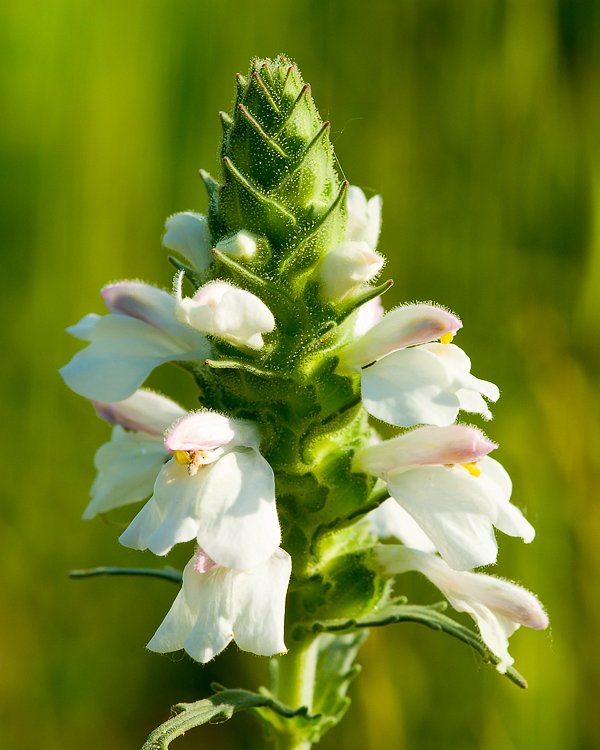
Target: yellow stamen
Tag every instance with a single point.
(181, 457)
(472, 469)
(447, 337)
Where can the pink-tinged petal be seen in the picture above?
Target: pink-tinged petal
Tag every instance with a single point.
(454, 444)
(212, 293)
(145, 411)
(153, 306)
(207, 430)
(123, 352)
(138, 300)
(202, 562)
(405, 326)
(368, 315)
(498, 607)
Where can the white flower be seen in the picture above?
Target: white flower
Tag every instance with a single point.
(217, 605)
(217, 489)
(232, 314)
(406, 385)
(345, 268)
(497, 606)
(399, 328)
(364, 218)
(125, 347)
(187, 233)
(443, 478)
(129, 464)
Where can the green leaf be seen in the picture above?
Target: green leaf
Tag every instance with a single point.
(425, 615)
(221, 706)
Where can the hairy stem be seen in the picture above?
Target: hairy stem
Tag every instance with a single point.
(295, 686)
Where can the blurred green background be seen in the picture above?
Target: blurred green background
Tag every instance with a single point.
(478, 121)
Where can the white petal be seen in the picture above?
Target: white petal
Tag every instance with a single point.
(124, 351)
(453, 509)
(176, 494)
(390, 519)
(259, 603)
(210, 598)
(175, 628)
(127, 469)
(364, 219)
(368, 314)
(473, 402)
(459, 364)
(373, 225)
(404, 326)
(143, 525)
(200, 619)
(238, 526)
(454, 444)
(84, 330)
(145, 411)
(187, 233)
(409, 387)
(508, 518)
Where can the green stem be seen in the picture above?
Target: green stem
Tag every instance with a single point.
(295, 686)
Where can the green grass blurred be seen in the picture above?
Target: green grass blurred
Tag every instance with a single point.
(478, 121)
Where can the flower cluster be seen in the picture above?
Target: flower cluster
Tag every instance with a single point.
(208, 482)
(292, 351)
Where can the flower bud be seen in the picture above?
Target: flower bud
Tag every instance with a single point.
(242, 246)
(219, 308)
(346, 267)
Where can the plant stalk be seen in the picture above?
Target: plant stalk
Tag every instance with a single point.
(295, 687)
